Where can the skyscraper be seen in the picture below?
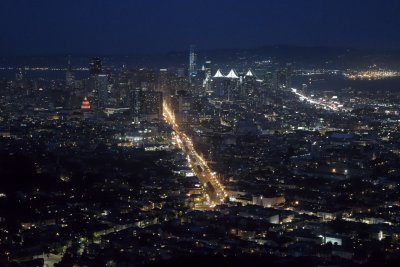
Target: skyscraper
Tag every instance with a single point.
(207, 77)
(218, 84)
(207, 67)
(69, 75)
(95, 66)
(101, 88)
(146, 104)
(136, 103)
(152, 104)
(192, 63)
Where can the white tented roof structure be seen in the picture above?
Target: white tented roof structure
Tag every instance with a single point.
(218, 74)
(249, 74)
(232, 75)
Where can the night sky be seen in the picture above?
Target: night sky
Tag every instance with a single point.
(132, 27)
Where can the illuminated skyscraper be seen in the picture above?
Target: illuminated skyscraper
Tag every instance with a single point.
(207, 77)
(232, 80)
(218, 84)
(69, 75)
(248, 86)
(146, 104)
(207, 67)
(152, 104)
(192, 63)
(163, 80)
(136, 103)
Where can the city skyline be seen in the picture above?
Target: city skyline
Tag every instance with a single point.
(199, 133)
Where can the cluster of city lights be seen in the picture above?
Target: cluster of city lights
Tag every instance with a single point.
(371, 74)
(324, 103)
(43, 68)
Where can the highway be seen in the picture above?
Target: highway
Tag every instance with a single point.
(323, 104)
(214, 188)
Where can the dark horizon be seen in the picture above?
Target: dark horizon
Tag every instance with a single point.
(203, 51)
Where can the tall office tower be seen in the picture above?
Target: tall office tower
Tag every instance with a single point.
(192, 63)
(146, 104)
(232, 81)
(136, 104)
(69, 75)
(267, 86)
(152, 105)
(95, 66)
(101, 89)
(219, 84)
(163, 80)
(207, 67)
(207, 78)
(249, 86)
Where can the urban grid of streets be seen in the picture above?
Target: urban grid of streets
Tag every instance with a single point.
(216, 194)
